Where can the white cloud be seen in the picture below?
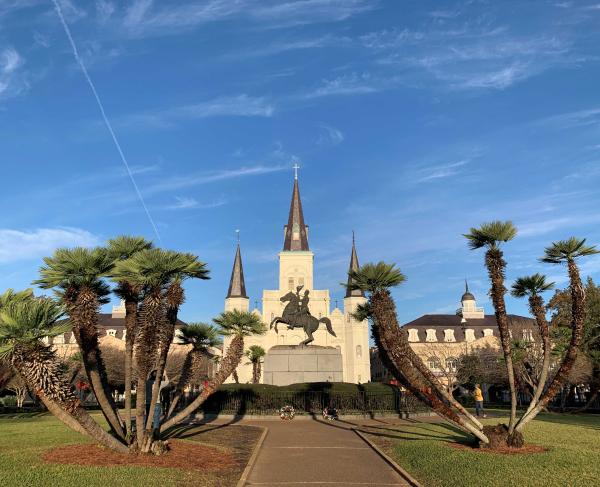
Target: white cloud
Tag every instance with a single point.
(211, 177)
(226, 106)
(330, 135)
(348, 84)
(240, 106)
(104, 10)
(145, 17)
(13, 80)
(441, 171)
(17, 245)
(186, 203)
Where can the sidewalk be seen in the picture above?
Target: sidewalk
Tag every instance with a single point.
(318, 453)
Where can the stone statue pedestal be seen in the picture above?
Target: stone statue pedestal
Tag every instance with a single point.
(291, 364)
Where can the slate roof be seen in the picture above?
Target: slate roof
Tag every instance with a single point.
(442, 322)
(107, 322)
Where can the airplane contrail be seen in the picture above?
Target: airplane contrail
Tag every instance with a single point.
(104, 117)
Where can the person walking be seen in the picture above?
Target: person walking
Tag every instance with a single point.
(478, 395)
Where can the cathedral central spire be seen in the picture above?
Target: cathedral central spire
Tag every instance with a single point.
(296, 232)
(237, 286)
(353, 267)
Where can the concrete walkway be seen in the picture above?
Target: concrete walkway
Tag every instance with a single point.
(318, 453)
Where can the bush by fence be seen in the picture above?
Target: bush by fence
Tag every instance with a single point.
(262, 399)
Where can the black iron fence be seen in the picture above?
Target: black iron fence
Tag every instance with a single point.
(242, 402)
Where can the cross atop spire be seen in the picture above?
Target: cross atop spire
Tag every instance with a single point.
(296, 232)
(237, 285)
(296, 167)
(353, 267)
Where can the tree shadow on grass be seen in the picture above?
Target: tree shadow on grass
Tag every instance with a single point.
(590, 421)
(396, 434)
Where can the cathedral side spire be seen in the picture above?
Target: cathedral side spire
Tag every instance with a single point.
(237, 285)
(296, 232)
(353, 267)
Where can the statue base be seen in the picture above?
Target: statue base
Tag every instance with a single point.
(292, 364)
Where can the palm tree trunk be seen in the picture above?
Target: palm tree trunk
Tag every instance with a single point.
(230, 361)
(190, 371)
(578, 317)
(174, 296)
(130, 327)
(39, 369)
(236, 379)
(149, 319)
(495, 264)
(84, 315)
(394, 346)
(536, 306)
(258, 371)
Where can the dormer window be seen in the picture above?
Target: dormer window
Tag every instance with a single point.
(431, 336)
(488, 332)
(413, 335)
(111, 332)
(469, 335)
(528, 335)
(449, 335)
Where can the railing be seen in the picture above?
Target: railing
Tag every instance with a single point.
(243, 402)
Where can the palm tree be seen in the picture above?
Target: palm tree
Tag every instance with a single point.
(238, 325)
(532, 287)
(202, 337)
(160, 272)
(255, 354)
(407, 367)
(76, 276)
(561, 252)
(23, 325)
(119, 249)
(491, 235)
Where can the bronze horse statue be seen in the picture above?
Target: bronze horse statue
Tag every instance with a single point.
(297, 316)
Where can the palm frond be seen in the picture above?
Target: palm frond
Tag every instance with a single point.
(10, 295)
(567, 250)
(362, 312)
(28, 321)
(531, 286)
(375, 277)
(255, 353)
(157, 267)
(201, 336)
(124, 246)
(240, 323)
(74, 268)
(491, 234)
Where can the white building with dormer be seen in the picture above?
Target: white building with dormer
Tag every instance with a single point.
(296, 266)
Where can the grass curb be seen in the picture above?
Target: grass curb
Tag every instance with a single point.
(403, 473)
(246, 473)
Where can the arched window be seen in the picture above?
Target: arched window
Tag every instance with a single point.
(291, 284)
(358, 351)
(451, 364)
(433, 363)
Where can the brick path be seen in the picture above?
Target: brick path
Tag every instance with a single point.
(318, 453)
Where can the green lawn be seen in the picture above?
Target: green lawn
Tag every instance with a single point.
(24, 439)
(572, 457)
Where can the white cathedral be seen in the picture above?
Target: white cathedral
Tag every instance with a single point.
(296, 269)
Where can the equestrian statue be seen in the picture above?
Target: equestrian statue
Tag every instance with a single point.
(297, 315)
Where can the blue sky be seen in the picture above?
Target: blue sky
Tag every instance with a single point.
(411, 120)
